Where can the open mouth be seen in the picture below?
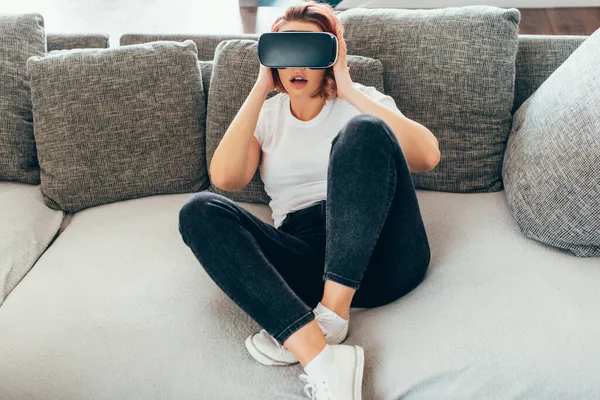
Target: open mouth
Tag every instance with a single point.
(298, 81)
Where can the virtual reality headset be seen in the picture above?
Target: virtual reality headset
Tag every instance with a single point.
(315, 50)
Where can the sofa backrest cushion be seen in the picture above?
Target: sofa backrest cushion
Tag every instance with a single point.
(538, 57)
(228, 91)
(119, 123)
(452, 70)
(552, 161)
(70, 41)
(206, 43)
(22, 36)
(206, 71)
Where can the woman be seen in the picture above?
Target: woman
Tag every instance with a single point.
(336, 162)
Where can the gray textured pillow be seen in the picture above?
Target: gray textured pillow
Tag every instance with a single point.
(118, 123)
(228, 92)
(551, 167)
(452, 70)
(21, 36)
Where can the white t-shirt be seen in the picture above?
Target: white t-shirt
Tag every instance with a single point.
(295, 153)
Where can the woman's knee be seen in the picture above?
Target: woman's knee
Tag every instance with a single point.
(365, 121)
(202, 207)
(365, 129)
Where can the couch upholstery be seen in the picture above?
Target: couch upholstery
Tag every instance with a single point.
(68, 41)
(207, 44)
(27, 227)
(119, 308)
(537, 58)
(22, 36)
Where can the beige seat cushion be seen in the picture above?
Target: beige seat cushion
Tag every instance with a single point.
(119, 308)
(26, 228)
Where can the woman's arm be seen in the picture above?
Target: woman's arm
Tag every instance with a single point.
(235, 160)
(419, 145)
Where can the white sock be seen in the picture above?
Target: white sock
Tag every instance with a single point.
(338, 322)
(318, 366)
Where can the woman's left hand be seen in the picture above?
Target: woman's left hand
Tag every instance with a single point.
(341, 70)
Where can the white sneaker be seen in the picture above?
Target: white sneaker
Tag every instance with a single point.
(266, 350)
(343, 381)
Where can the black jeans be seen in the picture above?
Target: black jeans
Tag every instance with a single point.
(367, 235)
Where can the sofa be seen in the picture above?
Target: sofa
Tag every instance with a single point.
(104, 301)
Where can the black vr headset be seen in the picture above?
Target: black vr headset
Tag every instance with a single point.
(315, 50)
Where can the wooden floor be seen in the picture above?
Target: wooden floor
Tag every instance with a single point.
(559, 21)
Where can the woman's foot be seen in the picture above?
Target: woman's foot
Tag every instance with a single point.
(266, 350)
(335, 374)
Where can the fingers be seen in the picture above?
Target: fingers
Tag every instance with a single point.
(342, 48)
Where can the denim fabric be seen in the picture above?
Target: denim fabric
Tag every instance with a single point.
(367, 235)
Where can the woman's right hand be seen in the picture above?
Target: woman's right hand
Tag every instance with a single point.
(265, 79)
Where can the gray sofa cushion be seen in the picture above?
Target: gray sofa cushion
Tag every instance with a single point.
(452, 70)
(69, 41)
(22, 36)
(119, 123)
(228, 92)
(206, 43)
(552, 162)
(206, 71)
(537, 58)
